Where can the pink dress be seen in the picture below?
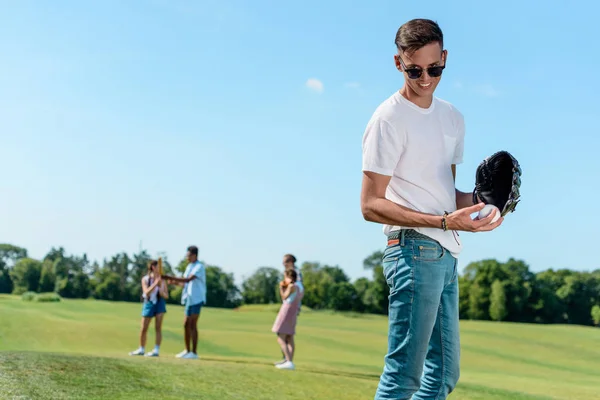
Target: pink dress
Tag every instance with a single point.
(285, 323)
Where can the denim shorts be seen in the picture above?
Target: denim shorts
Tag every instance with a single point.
(193, 309)
(150, 309)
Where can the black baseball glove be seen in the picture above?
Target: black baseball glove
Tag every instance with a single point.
(497, 182)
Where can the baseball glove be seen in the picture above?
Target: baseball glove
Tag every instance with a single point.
(497, 182)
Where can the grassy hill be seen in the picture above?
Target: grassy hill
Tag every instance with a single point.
(77, 349)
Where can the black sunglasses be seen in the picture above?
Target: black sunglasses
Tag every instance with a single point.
(416, 72)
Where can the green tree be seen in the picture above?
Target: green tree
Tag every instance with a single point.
(498, 310)
(482, 274)
(478, 302)
(544, 303)
(25, 275)
(596, 314)
(464, 285)
(72, 273)
(320, 281)
(221, 290)
(47, 278)
(9, 255)
(377, 296)
(362, 286)
(108, 286)
(578, 294)
(518, 284)
(343, 297)
(120, 265)
(262, 286)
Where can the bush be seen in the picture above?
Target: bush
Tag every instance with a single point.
(41, 297)
(47, 297)
(28, 296)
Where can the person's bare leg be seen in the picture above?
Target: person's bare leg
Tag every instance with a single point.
(188, 334)
(281, 339)
(158, 326)
(144, 331)
(194, 332)
(291, 346)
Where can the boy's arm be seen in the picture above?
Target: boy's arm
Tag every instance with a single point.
(376, 208)
(382, 149)
(196, 273)
(164, 290)
(179, 280)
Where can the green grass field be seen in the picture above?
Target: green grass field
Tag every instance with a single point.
(77, 349)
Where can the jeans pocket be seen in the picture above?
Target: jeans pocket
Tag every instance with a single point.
(389, 265)
(426, 250)
(454, 272)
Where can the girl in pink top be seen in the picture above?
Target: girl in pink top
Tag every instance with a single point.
(285, 323)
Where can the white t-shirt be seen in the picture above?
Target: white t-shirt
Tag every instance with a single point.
(416, 147)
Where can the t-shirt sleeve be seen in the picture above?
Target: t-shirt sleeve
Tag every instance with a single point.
(199, 272)
(460, 140)
(382, 147)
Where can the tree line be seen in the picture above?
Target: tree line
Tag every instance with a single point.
(489, 289)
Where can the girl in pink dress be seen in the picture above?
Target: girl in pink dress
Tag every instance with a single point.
(285, 323)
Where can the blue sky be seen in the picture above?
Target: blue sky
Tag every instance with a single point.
(238, 126)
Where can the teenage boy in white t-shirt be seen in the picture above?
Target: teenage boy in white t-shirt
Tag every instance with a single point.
(411, 146)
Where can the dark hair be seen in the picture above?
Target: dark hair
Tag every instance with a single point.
(417, 33)
(152, 263)
(290, 257)
(193, 250)
(290, 273)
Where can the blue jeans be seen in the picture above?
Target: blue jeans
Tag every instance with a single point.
(422, 360)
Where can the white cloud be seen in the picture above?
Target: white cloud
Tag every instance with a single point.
(315, 84)
(352, 85)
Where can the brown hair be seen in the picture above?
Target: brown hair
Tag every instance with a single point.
(289, 257)
(159, 266)
(417, 33)
(290, 273)
(152, 263)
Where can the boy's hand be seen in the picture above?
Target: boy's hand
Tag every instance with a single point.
(460, 220)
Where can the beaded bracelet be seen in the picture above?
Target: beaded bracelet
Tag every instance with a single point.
(444, 226)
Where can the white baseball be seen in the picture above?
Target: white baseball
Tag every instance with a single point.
(487, 210)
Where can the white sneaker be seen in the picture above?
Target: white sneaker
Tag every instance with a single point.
(190, 356)
(138, 352)
(279, 362)
(153, 353)
(286, 365)
(180, 355)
